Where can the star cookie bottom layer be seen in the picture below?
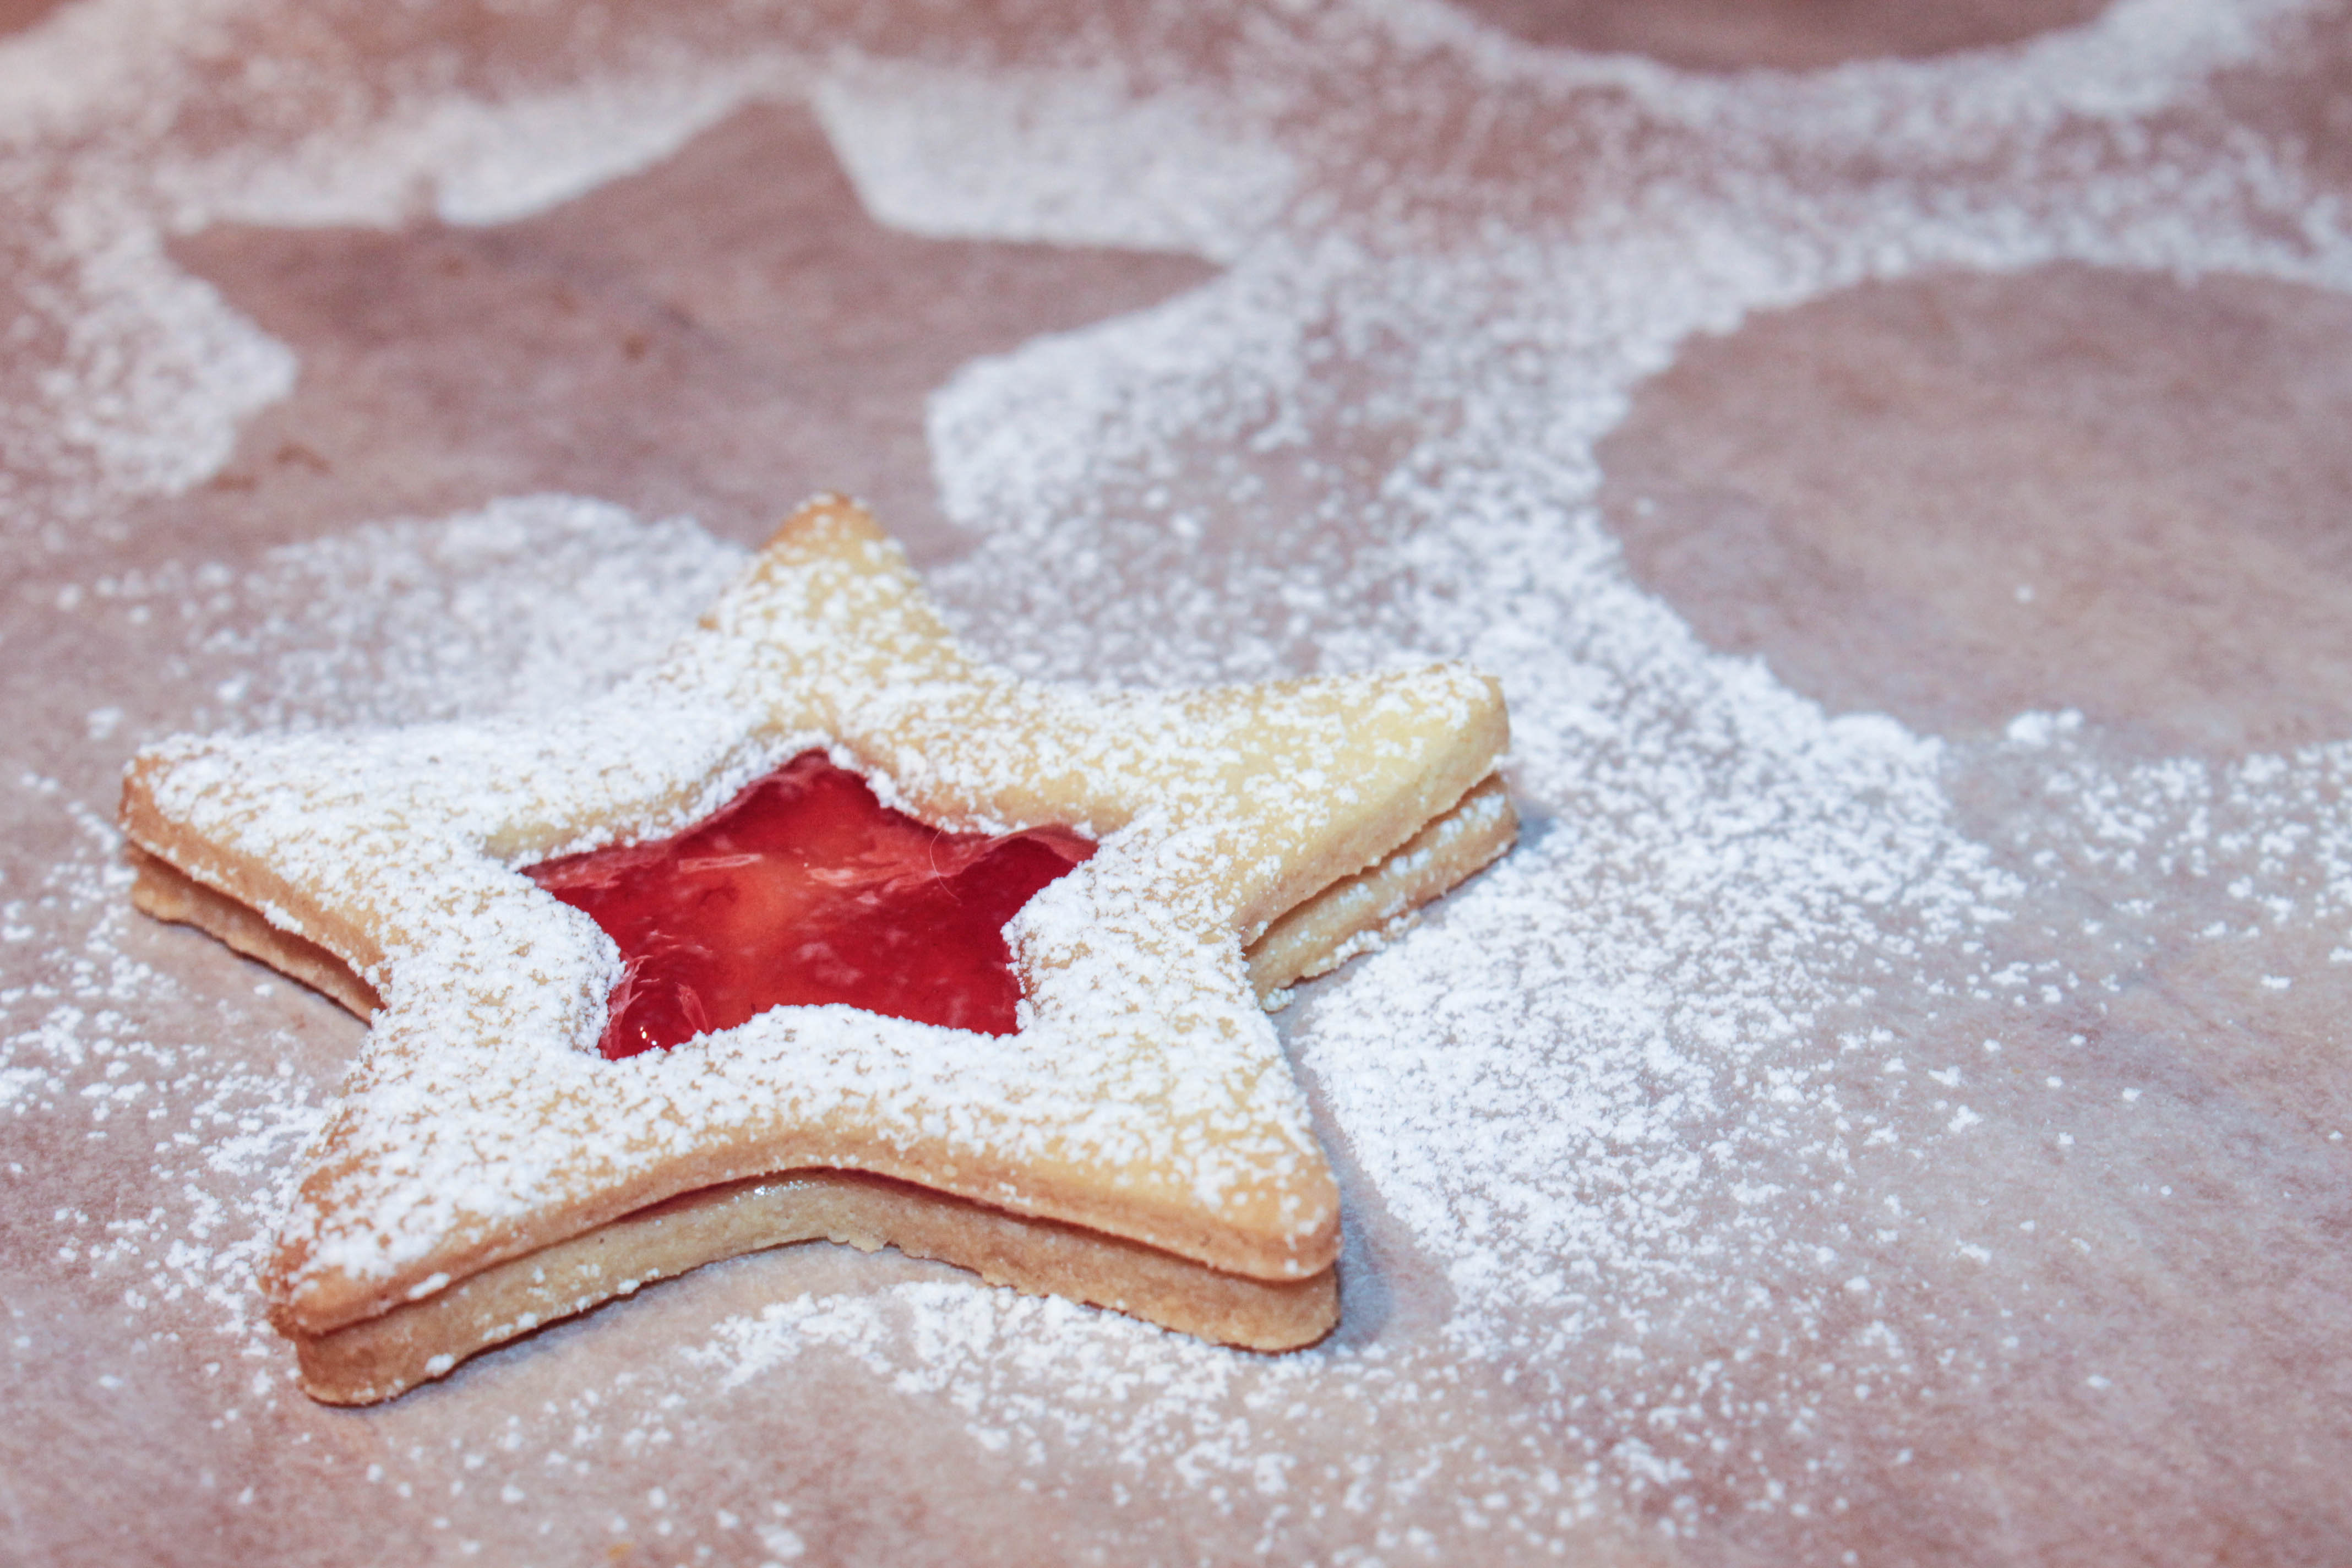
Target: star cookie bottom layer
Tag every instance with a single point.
(382, 1356)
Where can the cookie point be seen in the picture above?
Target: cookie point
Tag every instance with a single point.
(827, 515)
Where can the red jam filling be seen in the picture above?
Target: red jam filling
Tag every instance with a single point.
(805, 890)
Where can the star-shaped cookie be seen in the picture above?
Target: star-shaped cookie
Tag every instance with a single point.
(1138, 1141)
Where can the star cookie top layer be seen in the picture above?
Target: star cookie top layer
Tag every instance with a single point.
(1143, 1095)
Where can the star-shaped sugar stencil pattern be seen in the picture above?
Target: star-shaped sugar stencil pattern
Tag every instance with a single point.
(723, 328)
(18, 15)
(1145, 1094)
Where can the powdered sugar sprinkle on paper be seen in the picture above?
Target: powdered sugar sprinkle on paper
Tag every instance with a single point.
(1626, 1130)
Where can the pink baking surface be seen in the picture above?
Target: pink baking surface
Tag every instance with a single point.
(1891, 1107)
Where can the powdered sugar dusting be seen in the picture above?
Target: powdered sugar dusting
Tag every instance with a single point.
(1803, 1096)
(1099, 165)
(100, 1043)
(403, 623)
